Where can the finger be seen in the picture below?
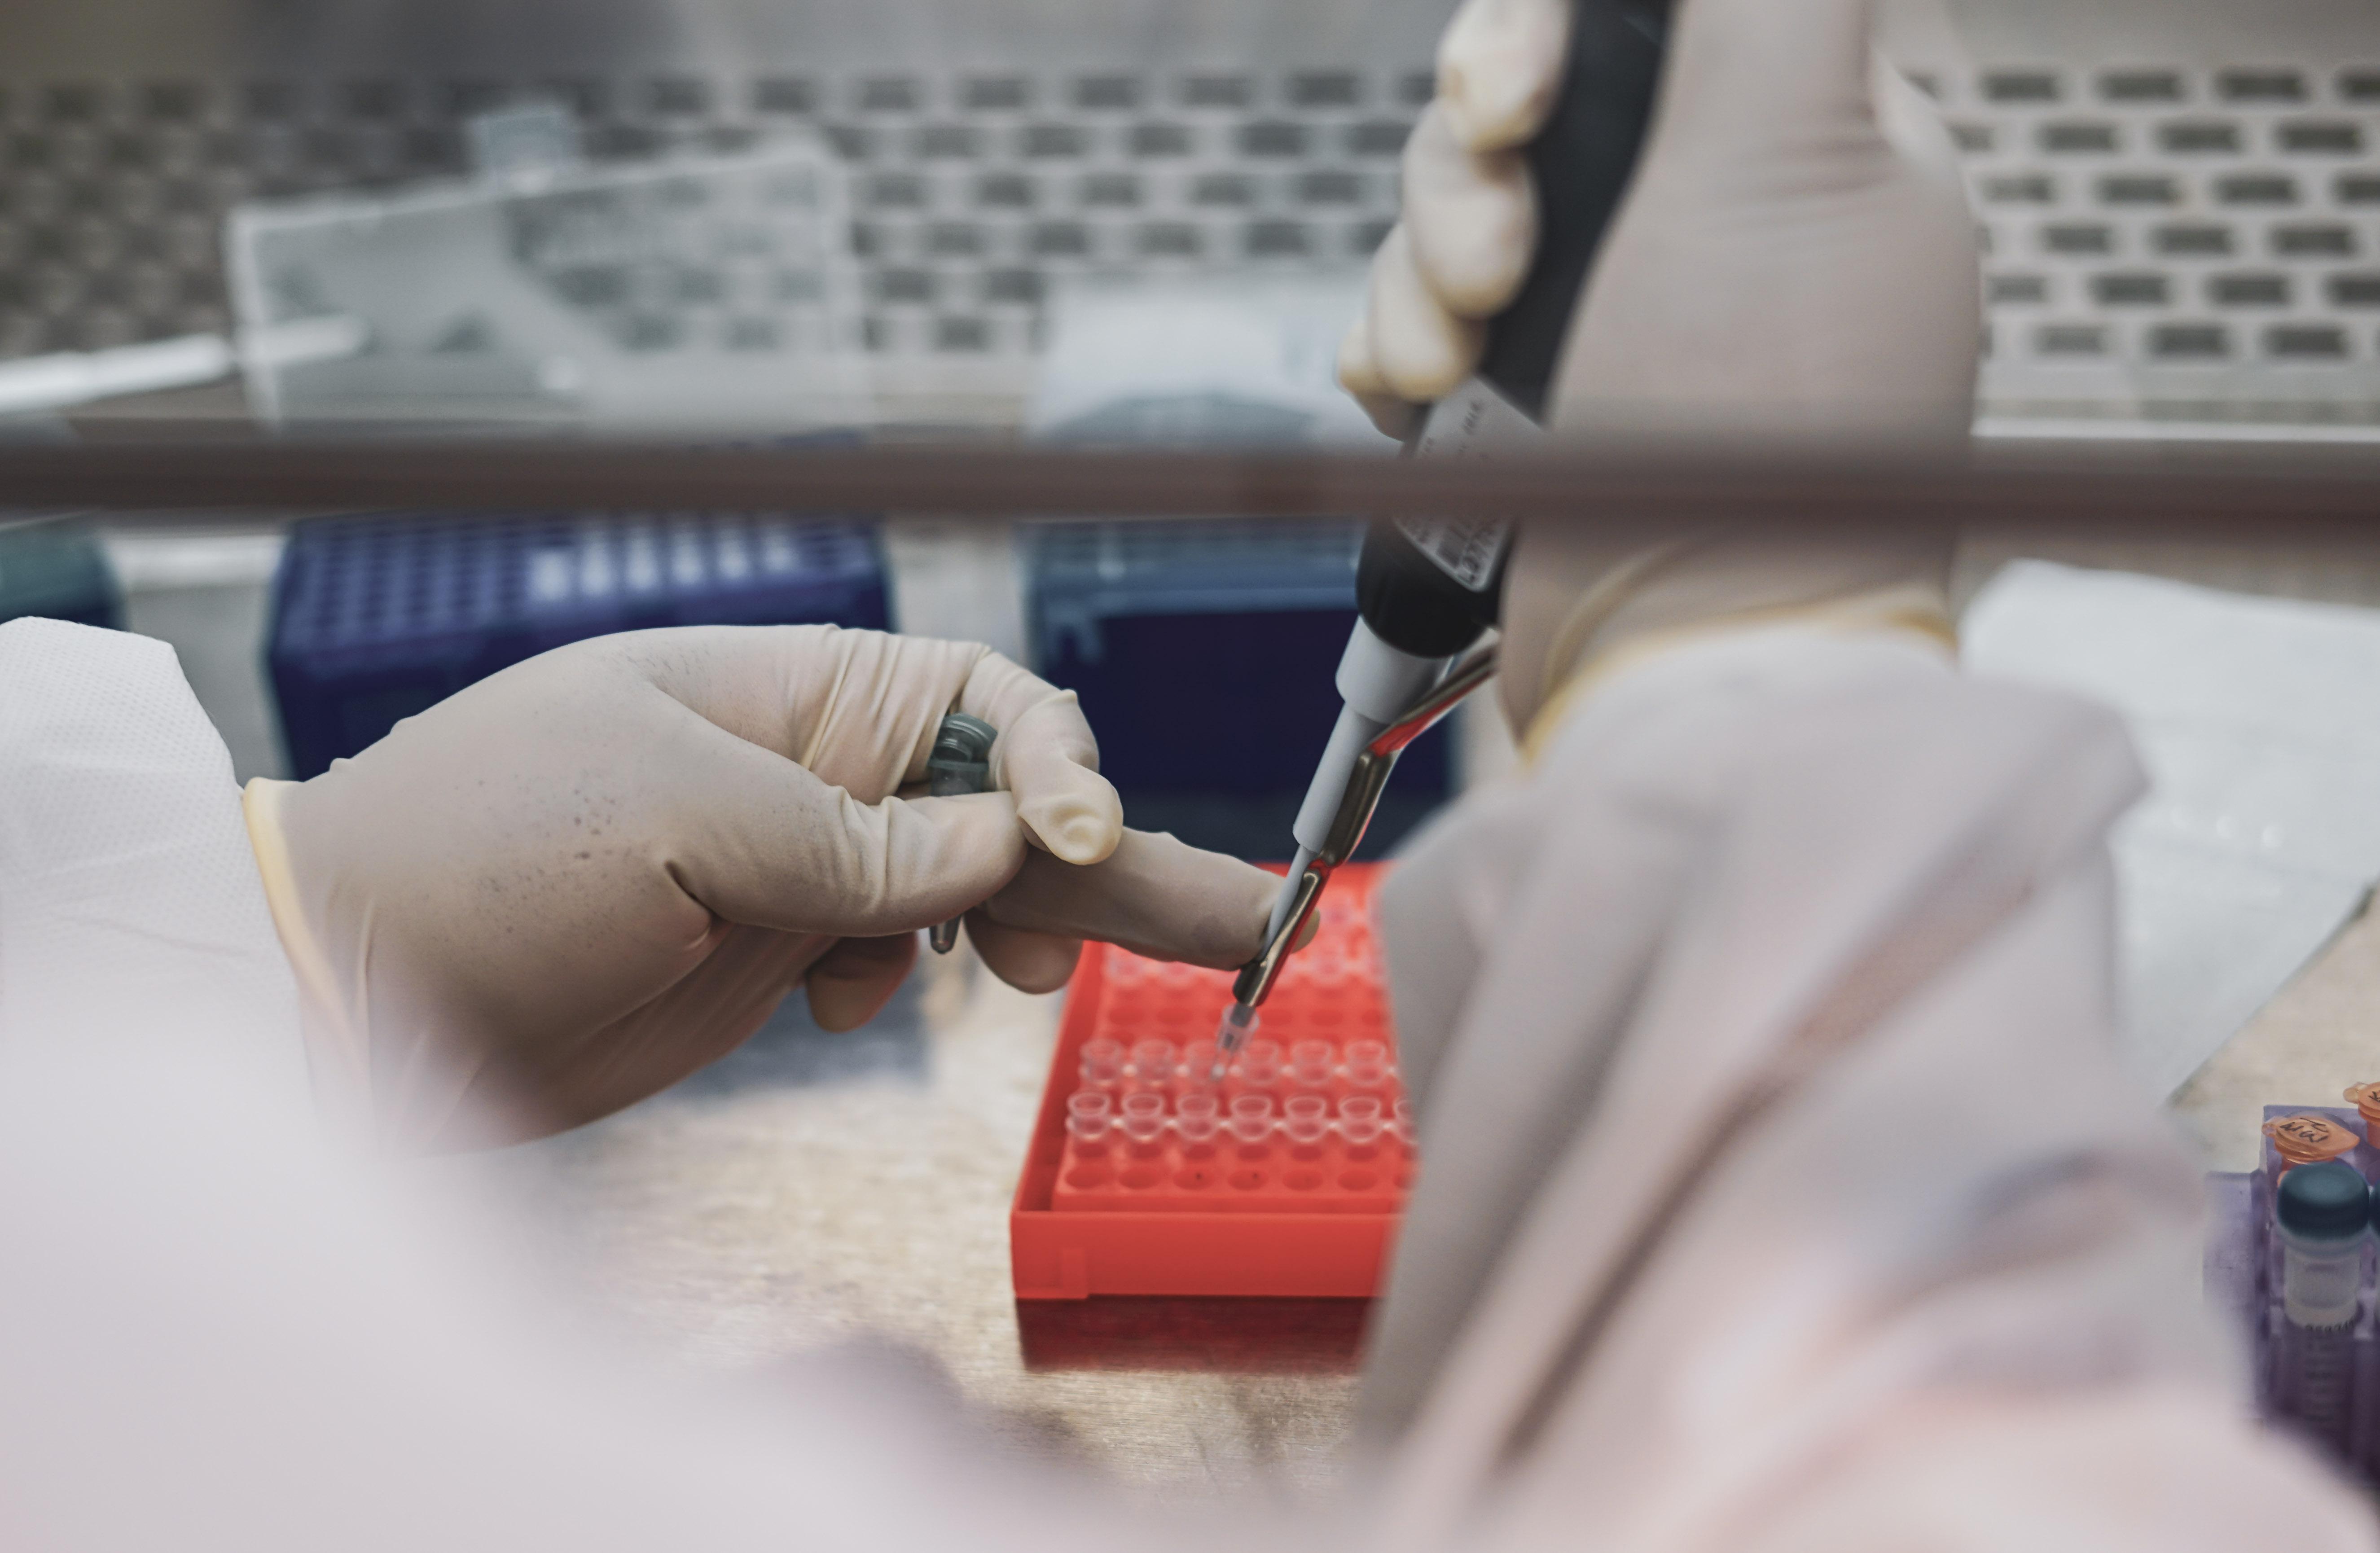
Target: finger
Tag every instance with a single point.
(1423, 352)
(853, 981)
(1361, 377)
(1028, 961)
(1499, 66)
(1153, 895)
(1046, 759)
(1471, 218)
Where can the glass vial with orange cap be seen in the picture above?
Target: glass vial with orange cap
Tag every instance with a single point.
(2365, 1098)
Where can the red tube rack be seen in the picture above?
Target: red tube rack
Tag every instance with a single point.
(1285, 1179)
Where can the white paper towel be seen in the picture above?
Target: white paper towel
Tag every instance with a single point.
(2259, 720)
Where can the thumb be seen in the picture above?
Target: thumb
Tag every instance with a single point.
(1761, 80)
(1047, 761)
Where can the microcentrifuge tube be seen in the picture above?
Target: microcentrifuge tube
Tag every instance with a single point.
(1261, 1063)
(1359, 1120)
(1152, 1062)
(1144, 1116)
(1102, 1061)
(1313, 1062)
(1367, 1064)
(1198, 1063)
(1194, 1115)
(1088, 1120)
(1252, 1117)
(2322, 1213)
(1306, 1118)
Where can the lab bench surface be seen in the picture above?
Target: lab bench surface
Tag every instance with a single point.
(813, 1188)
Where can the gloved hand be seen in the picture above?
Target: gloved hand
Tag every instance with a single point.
(1794, 261)
(564, 888)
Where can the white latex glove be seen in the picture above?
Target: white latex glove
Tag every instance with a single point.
(1794, 255)
(573, 883)
(1794, 261)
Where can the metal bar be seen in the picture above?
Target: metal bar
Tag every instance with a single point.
(2253, 493)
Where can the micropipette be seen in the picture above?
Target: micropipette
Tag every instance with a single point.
(1426, 589)
(959, 762)
(1367, 778)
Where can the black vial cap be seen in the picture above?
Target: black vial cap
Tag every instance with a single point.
(2329, 1201)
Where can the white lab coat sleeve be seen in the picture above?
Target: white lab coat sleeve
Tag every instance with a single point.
(224, 1334)
(225, 1329)
(132, 912)
(1776, 1153)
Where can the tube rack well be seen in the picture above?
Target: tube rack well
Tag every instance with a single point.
(1286, 1178)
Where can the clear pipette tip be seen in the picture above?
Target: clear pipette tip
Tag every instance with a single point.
(1233, 1028)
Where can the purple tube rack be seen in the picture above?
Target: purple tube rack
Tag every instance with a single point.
(2243, 1271)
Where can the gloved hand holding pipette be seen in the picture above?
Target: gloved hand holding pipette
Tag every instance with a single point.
(573, 883)
(1706, 1254)
(1793, 259)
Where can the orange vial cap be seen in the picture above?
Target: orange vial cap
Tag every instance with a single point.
(2308, 1139)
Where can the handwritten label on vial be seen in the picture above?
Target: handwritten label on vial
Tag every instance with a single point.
(2307, 1138)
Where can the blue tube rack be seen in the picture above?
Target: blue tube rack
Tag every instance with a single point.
(377, 617)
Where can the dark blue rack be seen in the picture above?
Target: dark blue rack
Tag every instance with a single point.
(377, 617)
(1203, 652)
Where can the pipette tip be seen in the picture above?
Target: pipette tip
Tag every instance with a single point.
(1237, 1021)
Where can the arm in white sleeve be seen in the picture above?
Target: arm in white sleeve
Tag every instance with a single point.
(1780, 1189)
(227, 1330)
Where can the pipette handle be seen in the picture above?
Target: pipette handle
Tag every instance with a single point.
(1582, 162)
(1430, 587)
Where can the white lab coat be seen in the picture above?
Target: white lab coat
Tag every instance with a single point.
(1932, 1298)
(1780, 1189)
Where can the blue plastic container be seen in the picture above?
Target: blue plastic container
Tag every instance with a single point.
(1204, 654)
(375, 618)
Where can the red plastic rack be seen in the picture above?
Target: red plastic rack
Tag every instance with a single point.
(1285, 1179)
